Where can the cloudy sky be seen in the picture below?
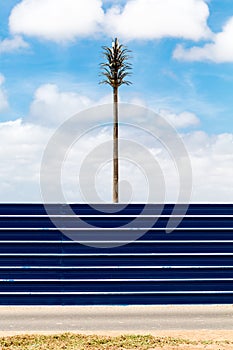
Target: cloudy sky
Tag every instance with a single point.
(182, 57)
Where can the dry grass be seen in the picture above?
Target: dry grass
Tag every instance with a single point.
(69, 341)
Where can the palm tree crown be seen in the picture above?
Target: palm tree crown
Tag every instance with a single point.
(117, 67)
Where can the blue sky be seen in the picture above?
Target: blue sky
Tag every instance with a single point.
(181, 55)
(203, 88)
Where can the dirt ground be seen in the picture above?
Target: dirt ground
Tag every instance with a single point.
(218, 336)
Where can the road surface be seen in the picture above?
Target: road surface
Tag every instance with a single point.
(118, 319)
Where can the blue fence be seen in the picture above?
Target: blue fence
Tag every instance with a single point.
(41, 265)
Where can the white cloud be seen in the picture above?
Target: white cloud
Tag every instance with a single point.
(181, 120)
(212, 159)
(66, 20)
(3, 96)
(220, 50)
(154, 19)
(22, 146)
(56, 20)
(21, 149)
(13, 44)
(51, 106)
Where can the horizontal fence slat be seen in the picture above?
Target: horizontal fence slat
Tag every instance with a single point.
(116, 299)
(161, 222)
(116, 287)
(116, 273)
(113, 248)
(98, 209)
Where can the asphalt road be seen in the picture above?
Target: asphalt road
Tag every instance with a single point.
(115, 318)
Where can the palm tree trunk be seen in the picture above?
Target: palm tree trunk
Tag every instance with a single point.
(115, 145)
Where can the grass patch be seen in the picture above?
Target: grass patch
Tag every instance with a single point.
(69, 341)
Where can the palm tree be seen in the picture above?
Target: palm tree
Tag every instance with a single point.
(115, 70)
